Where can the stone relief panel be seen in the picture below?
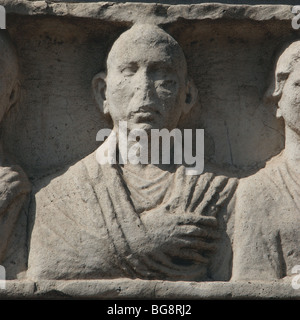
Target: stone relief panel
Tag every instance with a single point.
(141, 221)
(77, 219)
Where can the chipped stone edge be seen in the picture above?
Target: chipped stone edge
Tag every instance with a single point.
(147, 289)
(160, 13)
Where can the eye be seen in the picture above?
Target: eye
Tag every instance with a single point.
(158, 73)
(297, 83)
(129, 70)
(168, 84)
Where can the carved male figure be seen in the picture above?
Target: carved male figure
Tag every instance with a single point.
(138, 221)
(14, 186)
(267, 238)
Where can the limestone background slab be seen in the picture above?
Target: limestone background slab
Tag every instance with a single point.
(230, 51)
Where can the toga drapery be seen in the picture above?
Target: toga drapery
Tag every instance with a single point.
(267, 223)
(86, 221)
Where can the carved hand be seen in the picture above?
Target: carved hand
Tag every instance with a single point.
(180, 244)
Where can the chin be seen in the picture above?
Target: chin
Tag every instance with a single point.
(147, 126)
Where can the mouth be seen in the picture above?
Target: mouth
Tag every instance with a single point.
(145, 114)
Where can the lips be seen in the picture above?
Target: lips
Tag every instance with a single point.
(145, 113)
(144, 116)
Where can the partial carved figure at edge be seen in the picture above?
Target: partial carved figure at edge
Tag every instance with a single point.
(14, 185)
(267, 220)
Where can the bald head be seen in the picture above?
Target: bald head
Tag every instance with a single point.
(150, 39)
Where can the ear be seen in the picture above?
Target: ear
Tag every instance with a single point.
(276, 96)
(191, 96)
(99, 88)
(278, 112)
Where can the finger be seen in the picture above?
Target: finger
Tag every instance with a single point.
(160, 263)
(165, 265)
(10, 191)
(10, 177)
(197, 244)
(6, 172)
(169, 265)
(192, 231)
(193, 219)
(192, 255)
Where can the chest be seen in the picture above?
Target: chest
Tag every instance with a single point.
(147, 190)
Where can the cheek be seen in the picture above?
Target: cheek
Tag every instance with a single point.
(167, 91)
(119, 91)
(290, 103)
(297, 98)
(290, 108)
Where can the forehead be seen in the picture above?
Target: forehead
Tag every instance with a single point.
(143, 53)
(145, 45)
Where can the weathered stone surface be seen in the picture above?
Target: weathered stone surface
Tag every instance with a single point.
(89, 227)
(141, 221)
(267, 213)
(147, 289)
(143, 12)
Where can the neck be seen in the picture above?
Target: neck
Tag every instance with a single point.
(147, 145)
(292, 145)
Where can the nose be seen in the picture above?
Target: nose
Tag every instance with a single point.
(144, 86)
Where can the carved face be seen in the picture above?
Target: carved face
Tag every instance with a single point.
(289, 103)
(146, 83)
